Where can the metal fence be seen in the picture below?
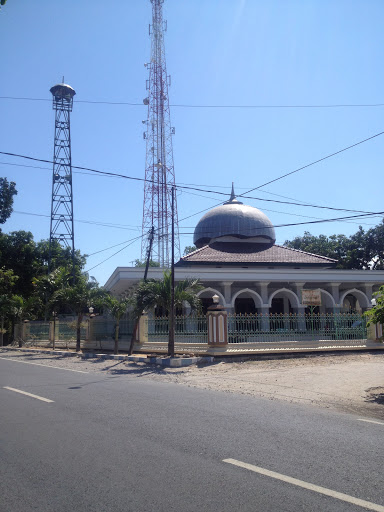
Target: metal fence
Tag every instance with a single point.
(312, 327)
(251, 328)
(37, 331)
(188, 329)
(103, 329)
(66, 331)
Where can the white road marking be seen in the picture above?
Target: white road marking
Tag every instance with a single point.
(306, 485)
(45, 365)
(372, 421)
(29, 394)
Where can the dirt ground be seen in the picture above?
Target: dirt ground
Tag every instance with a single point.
(350, 382)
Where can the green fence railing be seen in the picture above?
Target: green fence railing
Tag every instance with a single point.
(251, 328)
(312, 327)
(37, 331)
(188, 329)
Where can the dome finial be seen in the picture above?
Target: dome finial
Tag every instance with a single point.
(232, 199)
(232, 193)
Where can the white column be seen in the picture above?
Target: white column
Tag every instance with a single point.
(265, 317)
(264, 291)
(299, 286)
(368, 291)
(227, 285)
(335, 290)
(301, 318)
(265, 306)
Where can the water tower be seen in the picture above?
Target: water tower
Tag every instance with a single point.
(61, 228)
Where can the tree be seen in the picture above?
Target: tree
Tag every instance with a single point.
(362, 250)
(157, 293)
(189, 249)
(117, 308)
(375, 315)
(140, 263)
(7, 191)
(78, 297)
(29, 261)
(47, 285)
(7, 281)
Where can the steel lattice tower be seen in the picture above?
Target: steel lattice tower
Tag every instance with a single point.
(61, 228)
(159, 167)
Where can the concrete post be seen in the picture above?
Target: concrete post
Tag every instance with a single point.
(51, 330)
(89, 335)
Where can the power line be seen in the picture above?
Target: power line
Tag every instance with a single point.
(304, 203)
(292, 215)
(114, 254)
(104, 224)
(273, 211)
(113, 246)
(208, 106)
(313, 221)
(107, 173)
(189, 233)
(313, 163)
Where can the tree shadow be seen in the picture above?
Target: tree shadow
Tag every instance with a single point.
(136, 369)
(375, 395)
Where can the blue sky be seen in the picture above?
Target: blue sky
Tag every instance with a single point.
(219, 52)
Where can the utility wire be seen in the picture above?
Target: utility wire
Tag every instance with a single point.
(311, 221)
(188, 105)
(273, 211)
(114, 254)
(108, 248)
(312, 163)
(107, 225)
(255, 229)
(106, 173)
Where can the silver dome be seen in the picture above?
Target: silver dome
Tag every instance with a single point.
(62, 91)
(232, 221)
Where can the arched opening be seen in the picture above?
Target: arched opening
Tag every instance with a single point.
(351, 304)
(354, 301)
(206, 298)
(282, 304)
(205, 303)
(245, 306)
(246, 302)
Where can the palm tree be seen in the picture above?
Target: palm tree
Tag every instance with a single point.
(117, 307)
(157, 293)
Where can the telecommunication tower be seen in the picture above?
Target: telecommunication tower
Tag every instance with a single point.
(61, 228)
(159, 167)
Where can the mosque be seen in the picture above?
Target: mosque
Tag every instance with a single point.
(238, 260)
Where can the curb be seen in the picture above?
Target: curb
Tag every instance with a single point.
(171, 362)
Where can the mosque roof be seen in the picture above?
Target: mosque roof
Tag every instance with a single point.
(242, 253)
(235, 220)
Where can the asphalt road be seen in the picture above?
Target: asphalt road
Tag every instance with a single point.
(113, 443)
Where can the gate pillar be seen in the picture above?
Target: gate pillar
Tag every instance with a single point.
(217, 320)
(142, 330)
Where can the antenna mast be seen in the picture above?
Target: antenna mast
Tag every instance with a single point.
(159, 167)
